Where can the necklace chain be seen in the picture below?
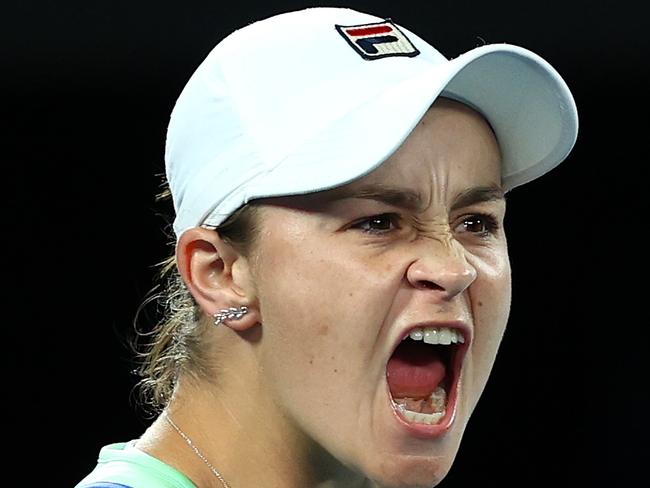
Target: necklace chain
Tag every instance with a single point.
(196, 450)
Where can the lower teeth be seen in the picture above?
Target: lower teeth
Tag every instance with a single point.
(438, 399)
(423, 418)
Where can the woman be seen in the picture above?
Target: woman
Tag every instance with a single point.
(342, 273)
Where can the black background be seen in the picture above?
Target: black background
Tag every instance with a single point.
(88, 88)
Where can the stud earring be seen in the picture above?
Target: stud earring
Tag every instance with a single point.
(231, 313)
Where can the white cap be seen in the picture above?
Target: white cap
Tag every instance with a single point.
(313, 99)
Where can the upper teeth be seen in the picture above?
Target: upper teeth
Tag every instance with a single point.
(436, 335)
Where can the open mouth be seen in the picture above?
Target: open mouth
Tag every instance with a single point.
(423, 374)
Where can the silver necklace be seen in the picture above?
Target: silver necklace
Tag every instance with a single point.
(196, 450)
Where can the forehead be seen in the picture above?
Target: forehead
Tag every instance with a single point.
(451, 144)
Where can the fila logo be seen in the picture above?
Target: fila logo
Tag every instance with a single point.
(378, 40)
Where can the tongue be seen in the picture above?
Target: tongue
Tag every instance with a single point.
(415, 370)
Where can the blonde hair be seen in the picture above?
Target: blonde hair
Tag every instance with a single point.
(175, 346)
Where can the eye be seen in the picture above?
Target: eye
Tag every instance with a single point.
(377, 224)
(482, 225)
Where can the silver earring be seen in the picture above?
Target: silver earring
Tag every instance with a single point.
(229, 314)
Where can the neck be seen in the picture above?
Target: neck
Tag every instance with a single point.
(246, 439)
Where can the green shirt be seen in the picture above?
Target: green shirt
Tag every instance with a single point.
(123, 464)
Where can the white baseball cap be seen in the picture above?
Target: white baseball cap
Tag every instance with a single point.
(309, 100)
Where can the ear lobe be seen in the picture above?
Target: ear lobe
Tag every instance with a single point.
(206, 264)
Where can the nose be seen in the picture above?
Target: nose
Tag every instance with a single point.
(442, 268)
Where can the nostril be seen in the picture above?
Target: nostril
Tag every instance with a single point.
(430, 285)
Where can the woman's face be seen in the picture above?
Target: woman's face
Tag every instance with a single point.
(341, 279)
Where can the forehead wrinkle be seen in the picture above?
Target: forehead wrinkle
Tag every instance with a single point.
(401, 197)
(409, 199)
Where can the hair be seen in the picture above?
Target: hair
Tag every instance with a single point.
(175, 345)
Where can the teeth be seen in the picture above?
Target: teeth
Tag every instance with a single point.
(437, 335)
(423, 418)
(416, 334)
(438, 399)
(445, 337)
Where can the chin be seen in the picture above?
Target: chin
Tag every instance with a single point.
(405, 471)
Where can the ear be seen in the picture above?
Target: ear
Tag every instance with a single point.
(217, 276)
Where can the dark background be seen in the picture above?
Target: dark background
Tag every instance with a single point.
(87, 91)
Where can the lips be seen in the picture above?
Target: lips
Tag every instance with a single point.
(431, 423)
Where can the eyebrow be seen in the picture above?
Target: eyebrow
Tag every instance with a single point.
(404, 198)
(408, 199)
(478, 194)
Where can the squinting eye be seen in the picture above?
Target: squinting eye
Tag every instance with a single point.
(377, 224)
(480, 224)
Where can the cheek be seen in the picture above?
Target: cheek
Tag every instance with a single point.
(490, 299)
(320, 311)
(492, 292)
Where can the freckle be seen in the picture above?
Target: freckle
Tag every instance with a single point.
(350, 294)
(336, 370)
(311, 361)
(480, 303)
(332, 357)
(323, 330)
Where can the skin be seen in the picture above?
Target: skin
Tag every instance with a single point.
(299, 397)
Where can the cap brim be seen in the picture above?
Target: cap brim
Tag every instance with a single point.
(524, 99)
